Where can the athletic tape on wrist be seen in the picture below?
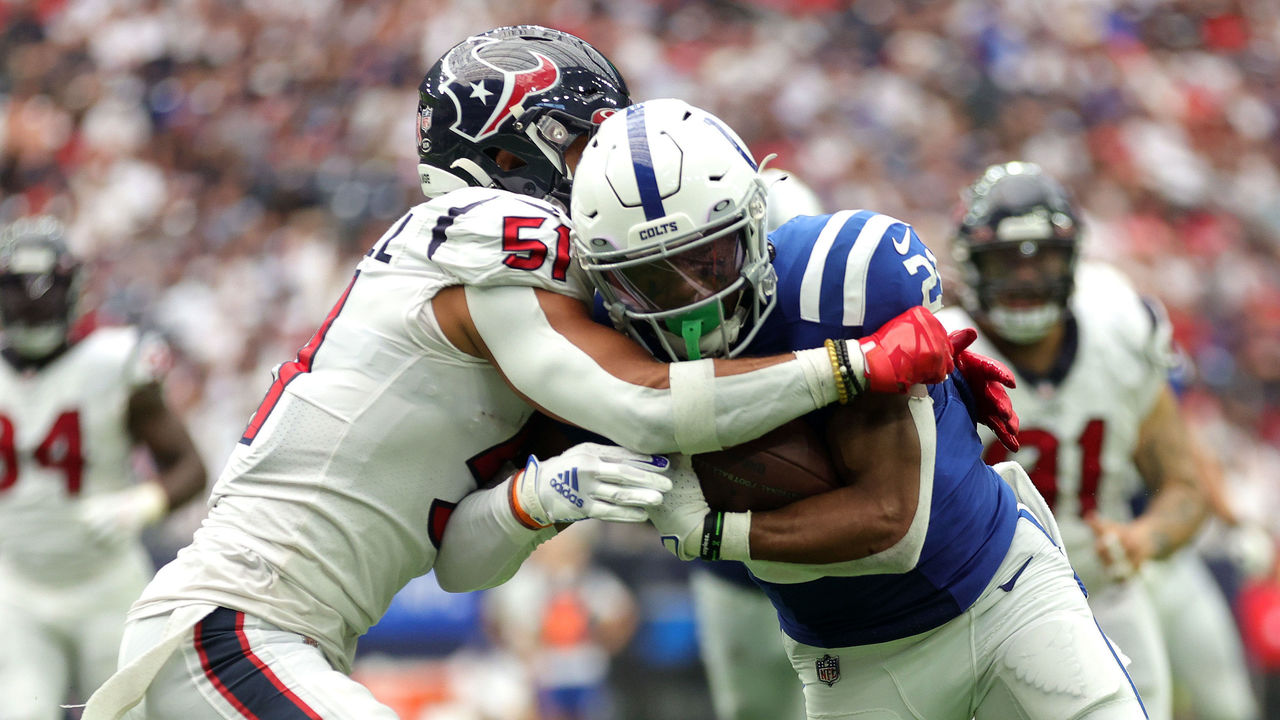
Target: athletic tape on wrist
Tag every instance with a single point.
(694, 405)
(857, 364)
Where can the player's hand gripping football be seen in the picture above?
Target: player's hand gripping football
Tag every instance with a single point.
(681, 517)
(909, 349)
(987, 379)
(605, 482)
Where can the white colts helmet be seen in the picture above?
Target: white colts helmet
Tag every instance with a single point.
(669, 213)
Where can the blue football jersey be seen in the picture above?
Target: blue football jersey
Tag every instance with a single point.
(844, 276)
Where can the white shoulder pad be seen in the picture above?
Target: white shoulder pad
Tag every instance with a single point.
(137, 357)
(1104, 298)
(487, 237)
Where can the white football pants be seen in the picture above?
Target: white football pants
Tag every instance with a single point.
(1205, 651)
(232, 666)
(60, 643)
(1033, 651)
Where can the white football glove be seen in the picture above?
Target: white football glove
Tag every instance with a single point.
(605, 482)
(122, 514)
(687, 526)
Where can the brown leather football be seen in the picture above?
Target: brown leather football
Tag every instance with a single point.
(774, 470)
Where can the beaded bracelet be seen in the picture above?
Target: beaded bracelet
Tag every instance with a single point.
(854, 388)
(842, 387)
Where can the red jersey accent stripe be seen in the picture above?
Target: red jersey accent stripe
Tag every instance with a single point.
(268, 674)
(290, 370)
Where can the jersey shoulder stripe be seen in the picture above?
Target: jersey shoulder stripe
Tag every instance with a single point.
(853, 269)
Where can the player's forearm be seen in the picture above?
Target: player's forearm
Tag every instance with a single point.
(836, 526)
(184, 479)
(1171, 520)
(599, 380)
(1166, 459)
(483, 543)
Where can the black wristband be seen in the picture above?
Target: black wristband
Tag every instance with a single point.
(846, 370)
(712, 535)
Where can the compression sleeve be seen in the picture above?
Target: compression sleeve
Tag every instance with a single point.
(483, 543)
(563, 379)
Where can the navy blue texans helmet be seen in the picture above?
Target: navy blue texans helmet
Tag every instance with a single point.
(526, 89)
(1017, 243)
(39, 286)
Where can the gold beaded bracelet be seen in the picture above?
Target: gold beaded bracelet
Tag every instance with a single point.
(842, 391)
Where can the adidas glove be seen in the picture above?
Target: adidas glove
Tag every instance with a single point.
(605, 482)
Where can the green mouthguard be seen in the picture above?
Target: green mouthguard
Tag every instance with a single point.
(693, 325)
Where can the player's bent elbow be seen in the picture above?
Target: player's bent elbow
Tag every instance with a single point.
(463, 582)
(887, 524)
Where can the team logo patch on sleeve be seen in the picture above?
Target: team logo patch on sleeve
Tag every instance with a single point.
(828, 668)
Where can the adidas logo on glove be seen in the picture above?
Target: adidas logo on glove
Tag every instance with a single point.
(566, 483)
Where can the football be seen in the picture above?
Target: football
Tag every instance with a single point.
(774, 470)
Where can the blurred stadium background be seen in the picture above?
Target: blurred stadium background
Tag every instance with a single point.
(225, 162)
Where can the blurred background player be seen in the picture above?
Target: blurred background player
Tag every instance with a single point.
(1206, 654)
(748, 672)
(1099, 418)
(565, 617)
(922, 587)
(73, 409)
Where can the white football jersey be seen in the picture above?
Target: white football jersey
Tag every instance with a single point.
(63, 438)
(1078, 435)
(365, 442)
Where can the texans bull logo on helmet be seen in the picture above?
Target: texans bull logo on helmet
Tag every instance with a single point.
(501, 94)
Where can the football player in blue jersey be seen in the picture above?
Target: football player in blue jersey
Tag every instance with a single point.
(748, 672)
(931, 584)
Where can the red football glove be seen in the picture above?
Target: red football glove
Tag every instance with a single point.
(985, 377)
(911, 348)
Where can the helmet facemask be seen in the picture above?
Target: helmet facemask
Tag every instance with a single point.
(1017, 243)
(1023, 287)
(696, 294)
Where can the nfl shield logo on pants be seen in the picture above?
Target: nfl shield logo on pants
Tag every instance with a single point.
(828, 669)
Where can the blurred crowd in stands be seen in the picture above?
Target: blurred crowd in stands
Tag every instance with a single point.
(225, 162)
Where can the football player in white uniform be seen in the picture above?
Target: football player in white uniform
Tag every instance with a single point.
(748, 672)
(72, 412)
(927, 586)
(1099, 419)
(361, 468)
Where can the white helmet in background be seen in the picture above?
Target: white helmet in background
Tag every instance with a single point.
(669, 214)
(788, 198)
